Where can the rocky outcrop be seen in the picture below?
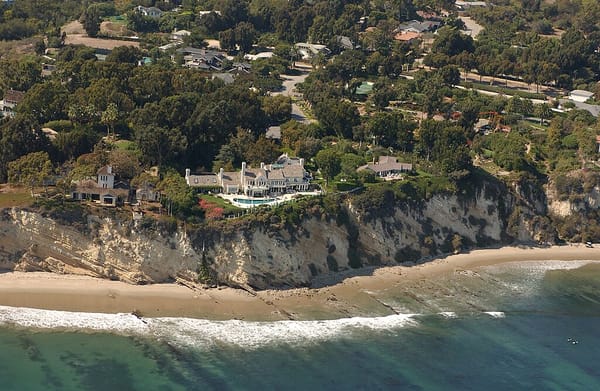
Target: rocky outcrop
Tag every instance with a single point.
(263, 257)
(564, 207)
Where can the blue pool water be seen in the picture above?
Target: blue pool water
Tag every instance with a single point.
(250, 201)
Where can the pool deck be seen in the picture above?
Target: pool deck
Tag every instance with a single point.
(276, 199)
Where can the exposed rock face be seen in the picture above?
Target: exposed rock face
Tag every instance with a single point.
(264, 258)
(29, 242)
(566, 207)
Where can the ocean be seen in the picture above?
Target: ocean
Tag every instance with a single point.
(517, 326)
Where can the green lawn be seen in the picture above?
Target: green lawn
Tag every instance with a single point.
(120, 19)
(125, 144)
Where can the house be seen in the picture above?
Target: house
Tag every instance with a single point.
(407, 36)
(11, 99)
(414, 26)
(169, 46)
(151, 12)
(240, 68)
(592, 109)
(387, 167)
(309, 50)
(103, 190)
(462, 5)
(179, 35)
(344, 42)
(202, 58)
(580, 95)
(273, 133)
(286, 175)
(483, 126)
(253, 57)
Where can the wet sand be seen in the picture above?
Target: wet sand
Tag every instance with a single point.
(353, 296)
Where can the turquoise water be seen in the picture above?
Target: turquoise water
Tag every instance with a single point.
(248, 201)
(516, 336)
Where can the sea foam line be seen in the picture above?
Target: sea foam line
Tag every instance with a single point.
(196, 332)
(495, 314)
(540, 266)
(201, 332)
(51, 319)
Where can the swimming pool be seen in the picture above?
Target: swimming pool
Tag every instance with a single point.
(250, 201)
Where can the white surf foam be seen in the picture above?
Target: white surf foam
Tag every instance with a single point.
(255, 334)
(47, 319)
(448, 314)
(539, 266)
(495, 314)
(201, 332)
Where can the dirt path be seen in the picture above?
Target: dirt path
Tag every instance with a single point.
(74, 27)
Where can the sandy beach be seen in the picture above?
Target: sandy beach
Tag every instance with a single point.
(354, 295)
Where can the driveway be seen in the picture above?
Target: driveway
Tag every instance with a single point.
(289, 89)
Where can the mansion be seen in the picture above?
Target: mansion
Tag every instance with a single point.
(286, 175)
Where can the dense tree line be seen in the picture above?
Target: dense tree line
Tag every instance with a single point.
(133, 117)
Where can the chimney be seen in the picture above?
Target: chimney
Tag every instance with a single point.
(243, 174)
(220, 175)
(302, 162)
(187, 172)
(109, 169)
(262, 165)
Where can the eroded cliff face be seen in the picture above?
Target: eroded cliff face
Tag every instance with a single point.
(561, 207)
(102, 248)
(263, 257)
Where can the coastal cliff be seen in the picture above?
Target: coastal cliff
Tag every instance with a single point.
(270, 253)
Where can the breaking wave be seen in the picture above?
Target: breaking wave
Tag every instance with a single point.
(201, 332)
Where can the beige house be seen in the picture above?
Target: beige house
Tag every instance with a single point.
(286, 175)
(387, 167)
(103, 190)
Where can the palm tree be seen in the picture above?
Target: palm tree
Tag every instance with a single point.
(543, 111)
(109, 118)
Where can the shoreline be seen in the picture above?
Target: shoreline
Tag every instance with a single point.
(345, 295)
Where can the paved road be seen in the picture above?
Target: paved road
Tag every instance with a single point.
(289, 89)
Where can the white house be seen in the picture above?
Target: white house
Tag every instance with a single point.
(179, 35)
(580, 95)
(462, 5)
(151, 12)
(286, 175)
(310, 50)
(106, 178)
